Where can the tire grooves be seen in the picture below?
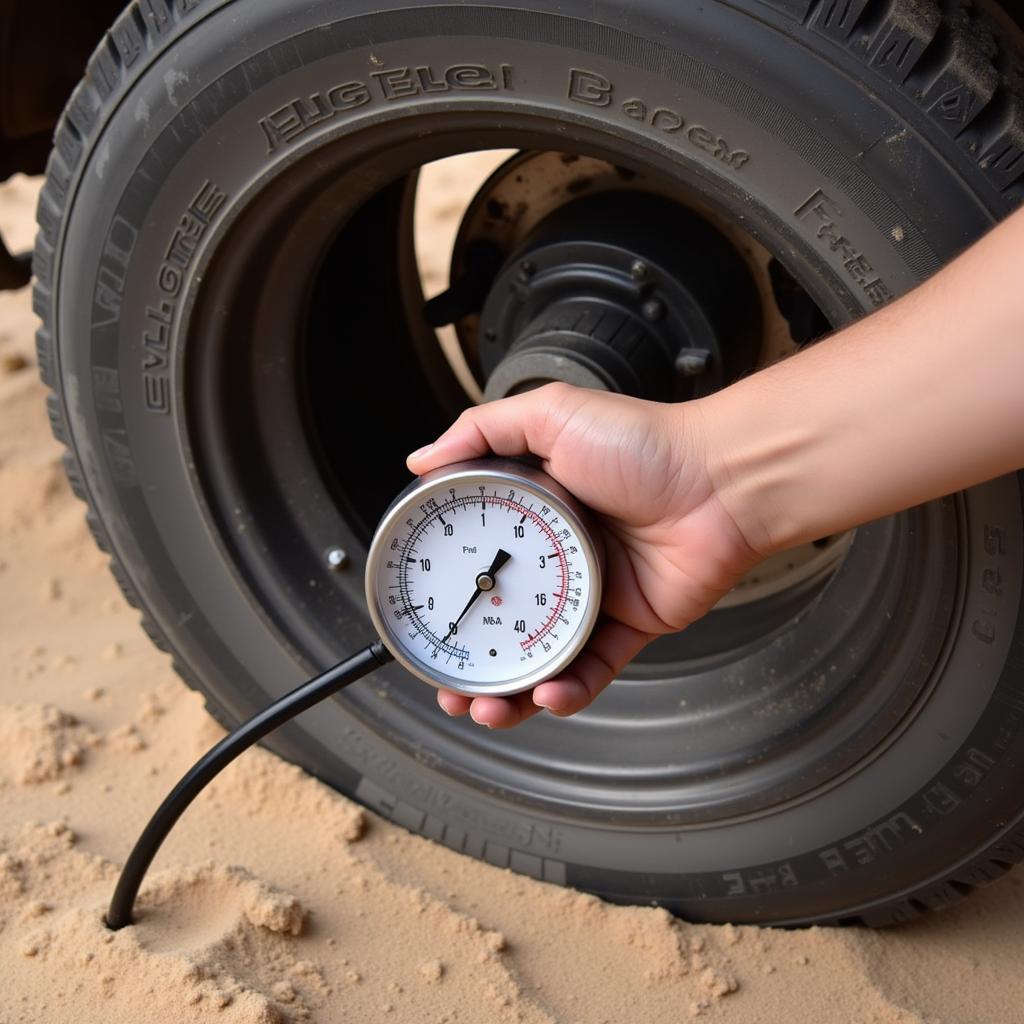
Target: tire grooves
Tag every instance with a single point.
(952, 60)
(948, 56)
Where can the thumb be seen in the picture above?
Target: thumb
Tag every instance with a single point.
(522, 425)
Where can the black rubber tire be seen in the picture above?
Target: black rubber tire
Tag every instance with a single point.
(887, 133)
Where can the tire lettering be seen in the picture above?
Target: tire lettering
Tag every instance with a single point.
(285, 124)
(595, 90)
(106, 388)
(590, 88)
(161, 315)
(940, 800)
(994, 538)
(119, 457)
(867, 846)
(973, 768)
(760, 880)
(983, 631)
(114, 261)
(992, 582)
(993, 542)
(825, 212)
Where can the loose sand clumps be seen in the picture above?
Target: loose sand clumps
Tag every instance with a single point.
(175, 971)
(211, 942)
(190, 889)
(39, 743)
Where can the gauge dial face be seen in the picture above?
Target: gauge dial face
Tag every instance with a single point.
(483, 581)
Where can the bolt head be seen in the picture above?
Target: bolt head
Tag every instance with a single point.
(692, 362)
(638, 270)
(526, 270)
(337, 559)
(652, 310)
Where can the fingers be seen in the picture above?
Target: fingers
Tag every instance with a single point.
(454, 704)
(524, 424)
(611, 647)
(493, 712)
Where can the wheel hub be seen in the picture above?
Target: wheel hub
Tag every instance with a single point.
(622, 292)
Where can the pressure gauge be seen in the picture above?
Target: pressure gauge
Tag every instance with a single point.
(483, 578)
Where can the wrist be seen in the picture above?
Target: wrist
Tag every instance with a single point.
(918, 400)
(761, 461)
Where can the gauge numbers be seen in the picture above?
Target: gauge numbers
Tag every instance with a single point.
(483, 580)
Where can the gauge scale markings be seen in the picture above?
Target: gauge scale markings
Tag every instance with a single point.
(484, 589)
(434, 516)
(453, 505)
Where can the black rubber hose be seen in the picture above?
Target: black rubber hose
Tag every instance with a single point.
(220, 756)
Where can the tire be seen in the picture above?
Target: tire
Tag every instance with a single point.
(201, 162)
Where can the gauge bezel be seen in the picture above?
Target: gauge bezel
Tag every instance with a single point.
(510, 472)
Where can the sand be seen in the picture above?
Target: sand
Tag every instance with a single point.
(278, 900)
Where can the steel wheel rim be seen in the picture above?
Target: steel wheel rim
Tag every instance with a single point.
(659, 776)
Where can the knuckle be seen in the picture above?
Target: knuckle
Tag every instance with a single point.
(556, 391)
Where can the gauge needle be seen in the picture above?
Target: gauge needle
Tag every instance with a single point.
(485, 581)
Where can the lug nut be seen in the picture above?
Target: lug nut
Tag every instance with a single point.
(638, 270)
(337, 559)
(526, 270)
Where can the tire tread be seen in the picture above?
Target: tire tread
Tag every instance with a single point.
(951, 58)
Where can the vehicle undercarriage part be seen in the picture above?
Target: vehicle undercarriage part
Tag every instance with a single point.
(634, 303)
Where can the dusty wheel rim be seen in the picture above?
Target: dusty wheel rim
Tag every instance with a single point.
(302, 405)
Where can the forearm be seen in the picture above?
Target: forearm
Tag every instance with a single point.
(924, 398)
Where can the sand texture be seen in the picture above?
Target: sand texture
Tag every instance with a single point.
(278, 900)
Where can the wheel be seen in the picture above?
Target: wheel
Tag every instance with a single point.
(240, 351)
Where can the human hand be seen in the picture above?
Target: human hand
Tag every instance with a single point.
(671, 548)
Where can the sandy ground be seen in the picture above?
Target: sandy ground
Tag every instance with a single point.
(278, 900)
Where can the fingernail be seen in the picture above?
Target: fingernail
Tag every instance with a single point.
(420, 452)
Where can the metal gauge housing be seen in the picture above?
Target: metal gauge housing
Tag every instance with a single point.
(483, 578)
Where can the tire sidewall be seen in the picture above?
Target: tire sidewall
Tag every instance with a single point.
(193, 127)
